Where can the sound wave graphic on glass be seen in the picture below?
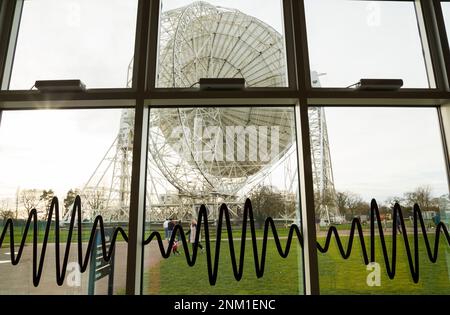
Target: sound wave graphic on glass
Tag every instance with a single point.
(237, 261)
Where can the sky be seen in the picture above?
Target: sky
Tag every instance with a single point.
(385, 152)
(376, 153)
(351, 40)
(53, 149)
(61, 42)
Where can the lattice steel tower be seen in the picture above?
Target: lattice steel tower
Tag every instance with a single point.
(324, 191)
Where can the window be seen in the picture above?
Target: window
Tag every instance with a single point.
(379, 39)
(146, 149)
(446, 12)
(218, 39)
(43, 155)
(78, 39)
(390, 155)
(213, 156)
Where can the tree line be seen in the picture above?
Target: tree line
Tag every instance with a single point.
(268, 202)
(351, 204)
(29, 199)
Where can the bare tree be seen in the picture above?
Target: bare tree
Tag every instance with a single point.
(5, 212)
(70, 199)
(266, 202)
(392, 200)
(341, 201)
(30, 199)
(47, 197)
(421, 196)
(95, 198)
(351, 204)
(356, 205)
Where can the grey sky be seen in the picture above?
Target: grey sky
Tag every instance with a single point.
(46, 149)
(386, 152)
(346, 41)
(350, 40)
(57, 40)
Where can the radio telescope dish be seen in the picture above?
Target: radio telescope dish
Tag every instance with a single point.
(204, 41)
(201, 40)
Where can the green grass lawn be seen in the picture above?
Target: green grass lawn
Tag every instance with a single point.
(339, 276)
(282, 276)
(174, 276)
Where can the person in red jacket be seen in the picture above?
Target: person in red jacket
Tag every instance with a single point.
(175, 248)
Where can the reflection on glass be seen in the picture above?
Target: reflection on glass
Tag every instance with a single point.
(64, 153)
(78, 39)
(379, 39)
(221, 39)
(213, 156)
(392, 155)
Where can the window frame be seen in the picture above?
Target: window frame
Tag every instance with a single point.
(142, 96)
(428, 51)
(154, 54)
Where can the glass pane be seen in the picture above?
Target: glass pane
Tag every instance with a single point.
(446, 12)
(214, 156)
(221, 39)
(75, 39)
(391, 155)
(64, 153)
(379, 39)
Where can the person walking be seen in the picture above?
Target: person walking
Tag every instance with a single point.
(192, 233)
(317, 220)
(166, 228)
(399, 223)
(170, 227)
(177, 223)
(437, 219)
(384, 221)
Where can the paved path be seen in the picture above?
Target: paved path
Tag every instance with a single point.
(19, 279)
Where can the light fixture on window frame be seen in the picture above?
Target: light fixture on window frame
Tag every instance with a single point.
(222, 84)
(378, 84)
(60, 86)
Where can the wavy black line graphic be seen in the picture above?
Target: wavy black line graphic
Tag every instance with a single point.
(61, 269)
(294, 229)
(237, 264)
(413, 258)
(237, 267)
